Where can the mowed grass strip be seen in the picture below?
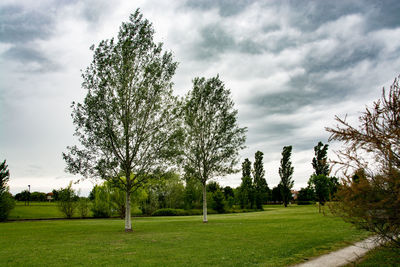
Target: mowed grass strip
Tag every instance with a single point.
(275, 237)
(35, 210)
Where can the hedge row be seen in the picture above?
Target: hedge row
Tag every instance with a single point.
(181, 212)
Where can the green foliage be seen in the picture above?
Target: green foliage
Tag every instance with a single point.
(213, 187)
(166, 192)
(7, 203)
(193, 194)
(91, 194)
(6, 200)
(229, 195)
(276, 195)
(118, 200)
(127, 124)
(286, 172)
(83, 207)
(102, 207)
(68, 201)
(169, 212)
(4, 177)
(305, 202)
(333, 186)
(320, 160)
(321, 187)
(38, 196)
(218, 203)
(228, 192)
(306, 194)
(246, 188)
(261, 189)
(212, 136)
(246, 168)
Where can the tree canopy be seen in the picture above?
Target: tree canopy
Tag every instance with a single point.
(370, 195)
(320, 160)
(213, 137)
(126, 125)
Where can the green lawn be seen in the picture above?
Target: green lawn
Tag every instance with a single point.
(380, 256)
(44, 210)
(275, 237)
(35, 210)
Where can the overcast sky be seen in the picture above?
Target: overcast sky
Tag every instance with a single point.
(291, 66)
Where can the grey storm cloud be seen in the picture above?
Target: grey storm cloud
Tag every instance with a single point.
(25, 54)
(20, 25)
(291, 66)
(225, 7)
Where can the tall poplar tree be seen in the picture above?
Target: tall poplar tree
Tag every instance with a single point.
(260, 184)
(286, 172)
(213, 137)
(320, 160)
(126, 125)
(246, 189)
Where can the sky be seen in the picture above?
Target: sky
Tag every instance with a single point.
(291, 67)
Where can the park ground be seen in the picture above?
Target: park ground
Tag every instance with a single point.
(277, 236)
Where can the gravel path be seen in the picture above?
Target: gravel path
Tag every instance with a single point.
(343, 256)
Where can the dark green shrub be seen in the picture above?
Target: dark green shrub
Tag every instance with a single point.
(305, 202)
(67, 203)
(38, 196)
(196, 211)
(83, 207)
(101, 207)
(7, 203)
(170, 212)
(6, 200)
(218, 202)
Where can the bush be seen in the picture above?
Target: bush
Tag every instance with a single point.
(181, 212)
(67, 203)
(38, 196)
(7, 203)
(169, 212)
(6, 200)
(305, 202)
(218, 202)
(83, 207)
(101, 207)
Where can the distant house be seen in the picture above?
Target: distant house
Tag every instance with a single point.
(50, 196)
(294, 194)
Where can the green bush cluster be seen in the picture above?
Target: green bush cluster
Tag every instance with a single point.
(181, 212)
(305, 202)
(7, 203)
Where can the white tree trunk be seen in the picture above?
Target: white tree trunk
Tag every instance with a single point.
(204, 204)
(128, 223)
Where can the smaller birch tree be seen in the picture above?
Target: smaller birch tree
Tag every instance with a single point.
(213, 137)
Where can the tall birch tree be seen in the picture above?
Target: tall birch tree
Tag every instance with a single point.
(126, 125)
(213, 137)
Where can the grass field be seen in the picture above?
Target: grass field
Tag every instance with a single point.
(275, 237)
(35, 210)
(45, 210)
